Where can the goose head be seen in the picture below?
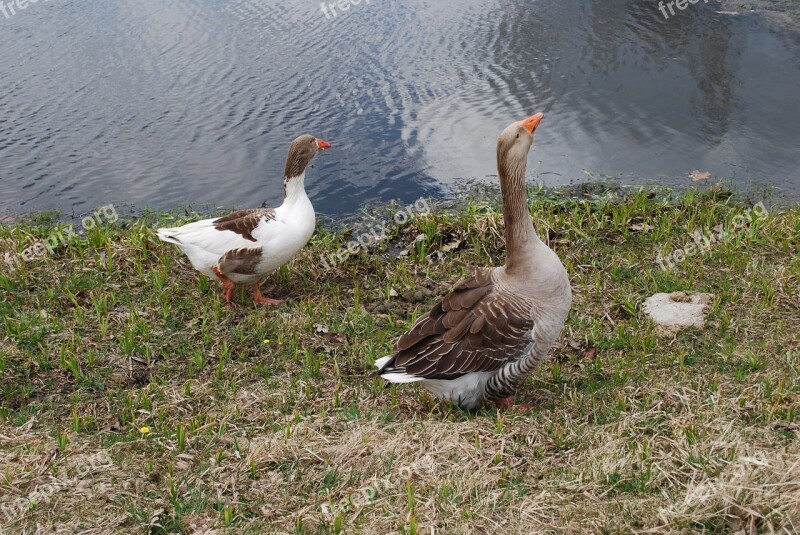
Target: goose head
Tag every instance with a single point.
(301, 152)
(514, 144)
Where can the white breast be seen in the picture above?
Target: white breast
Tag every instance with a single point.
(284, 237)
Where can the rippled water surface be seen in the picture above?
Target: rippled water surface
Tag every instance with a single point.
(166, 103)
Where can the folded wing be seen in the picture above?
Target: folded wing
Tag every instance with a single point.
(240, 230)
(471, 330)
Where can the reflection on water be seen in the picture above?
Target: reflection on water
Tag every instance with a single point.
(170, 102)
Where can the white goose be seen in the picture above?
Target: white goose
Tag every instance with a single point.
(483, 340)
(246, 246)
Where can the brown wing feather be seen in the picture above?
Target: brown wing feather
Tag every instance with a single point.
(472, 329)
(240, 261)
(244, 222)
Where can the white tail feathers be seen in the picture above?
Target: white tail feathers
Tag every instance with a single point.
(394, 377)
(165, 234)
(401, 378)
(383, 361)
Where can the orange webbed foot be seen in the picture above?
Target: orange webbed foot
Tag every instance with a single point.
(261, 299)
(507, 404)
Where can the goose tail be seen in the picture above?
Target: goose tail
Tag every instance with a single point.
(393, 377)
(169, 235)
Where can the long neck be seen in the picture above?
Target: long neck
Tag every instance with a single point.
(294, 189)
(521, 237)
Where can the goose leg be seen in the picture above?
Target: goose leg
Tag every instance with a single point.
(261, 299)
(507, 404)
(227, 285)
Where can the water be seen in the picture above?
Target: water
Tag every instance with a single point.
(165, 103)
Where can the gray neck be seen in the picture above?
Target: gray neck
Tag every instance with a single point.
(520, 235)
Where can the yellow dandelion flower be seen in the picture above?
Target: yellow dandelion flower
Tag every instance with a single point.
(144, 430)
(267, 341)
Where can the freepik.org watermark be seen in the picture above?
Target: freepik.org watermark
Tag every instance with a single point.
(12, 7)
(377, 234)
(105, 215)
(329, 7)
(44, 493)
(377, 489)
(680, 4)
(703, 241)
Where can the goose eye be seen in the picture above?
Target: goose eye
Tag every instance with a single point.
(517, 136)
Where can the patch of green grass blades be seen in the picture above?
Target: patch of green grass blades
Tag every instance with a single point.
(133, 400)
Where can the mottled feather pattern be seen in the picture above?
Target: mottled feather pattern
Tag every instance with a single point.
(244, 222)
(241, 261)
(473, 329)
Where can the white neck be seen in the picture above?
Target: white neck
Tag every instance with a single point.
(295, 189)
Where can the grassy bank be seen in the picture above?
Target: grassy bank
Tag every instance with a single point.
(133, 400)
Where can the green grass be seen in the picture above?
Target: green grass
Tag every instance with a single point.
(267, 419)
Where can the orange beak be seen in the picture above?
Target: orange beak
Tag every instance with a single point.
(322, 144)
(532, 122)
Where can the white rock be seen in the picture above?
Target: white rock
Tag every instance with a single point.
(676, 311)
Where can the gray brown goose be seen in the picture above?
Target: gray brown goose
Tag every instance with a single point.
(481, 342)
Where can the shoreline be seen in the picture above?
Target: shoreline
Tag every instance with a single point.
(484, 190)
